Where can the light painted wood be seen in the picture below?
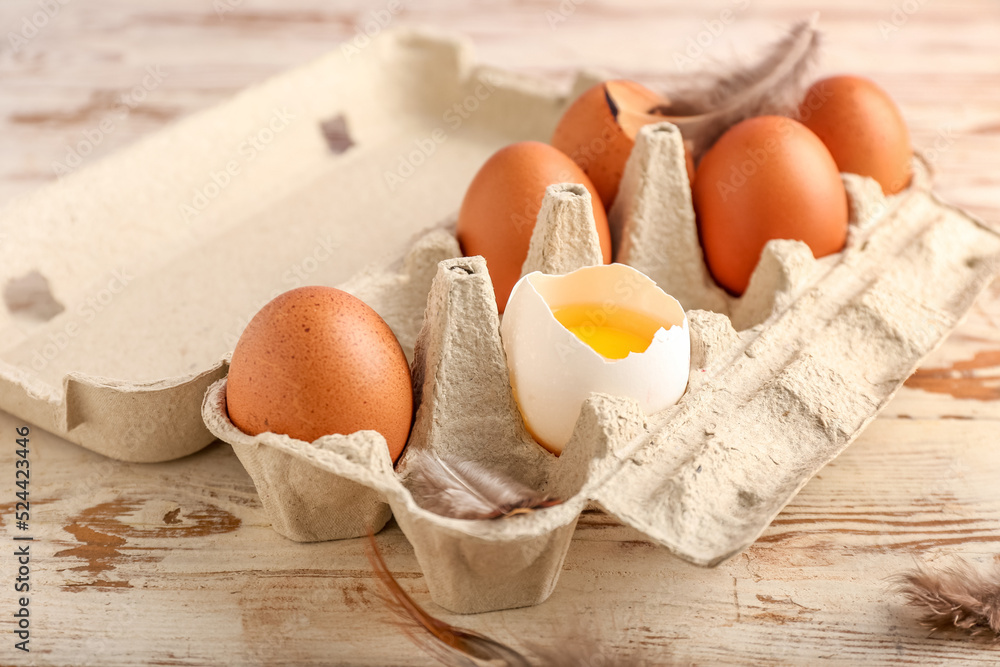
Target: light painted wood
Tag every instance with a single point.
(175, 563)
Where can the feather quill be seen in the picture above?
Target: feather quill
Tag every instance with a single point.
(448, 644)
(956, 597)
(467, 490)
(458, 647)
(774, 86)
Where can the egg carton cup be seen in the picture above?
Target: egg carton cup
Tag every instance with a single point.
(782, 380)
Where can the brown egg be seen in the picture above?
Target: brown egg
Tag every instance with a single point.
(598, 130)
(500, 207)
(862, 127)
(316, 361)
(766, 178)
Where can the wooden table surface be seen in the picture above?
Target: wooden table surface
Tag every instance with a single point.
(175, 563)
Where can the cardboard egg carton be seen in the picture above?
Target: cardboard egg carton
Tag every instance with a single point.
(818, 348)
(133, 309)
(125, 284)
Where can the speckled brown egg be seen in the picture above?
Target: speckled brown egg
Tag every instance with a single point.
(317, 361)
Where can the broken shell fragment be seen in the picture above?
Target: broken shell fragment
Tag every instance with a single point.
(598, 130)
(606, 329)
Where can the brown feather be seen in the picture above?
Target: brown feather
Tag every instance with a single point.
(467, 490)
(775, 85)
(955, 597)
(448, 644)
(459, 647)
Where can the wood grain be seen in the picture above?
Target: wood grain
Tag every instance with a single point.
(175, 564)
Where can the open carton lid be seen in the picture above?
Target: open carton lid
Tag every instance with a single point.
(127, 283)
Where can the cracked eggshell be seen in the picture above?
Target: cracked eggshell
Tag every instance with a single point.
(552, 372)
(598, 130)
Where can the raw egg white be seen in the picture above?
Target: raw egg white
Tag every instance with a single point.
(606, 329)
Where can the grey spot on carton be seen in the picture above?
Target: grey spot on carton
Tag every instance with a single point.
(29, 296)
(335, 132)
(747, 499)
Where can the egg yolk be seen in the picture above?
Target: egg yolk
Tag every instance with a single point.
(613, 332)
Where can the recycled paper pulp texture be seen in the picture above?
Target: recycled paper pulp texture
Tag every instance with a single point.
(818, 348)
(158, 268)
(154, 296)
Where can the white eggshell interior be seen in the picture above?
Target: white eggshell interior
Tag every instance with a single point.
(553, 372)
